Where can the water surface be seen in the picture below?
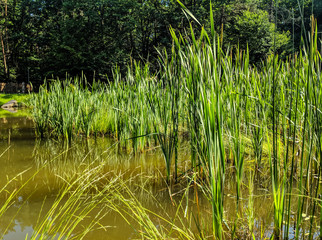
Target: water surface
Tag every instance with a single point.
(22, 152)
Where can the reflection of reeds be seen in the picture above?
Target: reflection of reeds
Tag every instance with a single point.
(67, 159)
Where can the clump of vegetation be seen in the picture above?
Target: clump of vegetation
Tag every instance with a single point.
(232, 110)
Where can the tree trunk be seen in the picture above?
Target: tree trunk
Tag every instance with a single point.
(4, 40)
(4, 54)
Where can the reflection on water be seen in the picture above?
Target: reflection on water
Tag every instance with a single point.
(19, 231)
(16, 128)
(20, 151)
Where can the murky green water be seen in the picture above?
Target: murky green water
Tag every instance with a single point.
(21, 152)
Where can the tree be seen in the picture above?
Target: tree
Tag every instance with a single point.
(246, 26)
(41, 38)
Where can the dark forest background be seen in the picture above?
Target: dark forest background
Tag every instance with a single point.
(45, 38)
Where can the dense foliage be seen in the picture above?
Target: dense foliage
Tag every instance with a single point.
(41, 38)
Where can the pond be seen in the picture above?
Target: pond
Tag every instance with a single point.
(44, 163)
